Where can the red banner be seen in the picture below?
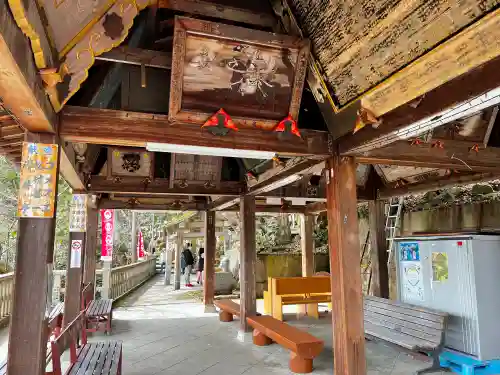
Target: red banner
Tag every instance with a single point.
(108, 226)
(140, 246)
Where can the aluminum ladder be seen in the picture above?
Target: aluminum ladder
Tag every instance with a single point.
(393, 216)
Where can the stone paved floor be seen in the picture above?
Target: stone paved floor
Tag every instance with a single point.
(164, 332)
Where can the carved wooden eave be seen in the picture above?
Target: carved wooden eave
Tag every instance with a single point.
(67, 46)
(397, 52)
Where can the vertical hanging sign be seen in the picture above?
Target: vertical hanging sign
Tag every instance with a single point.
(140, 246)
(107, 223)
(76, 254)
(37, 187)
(78, 213)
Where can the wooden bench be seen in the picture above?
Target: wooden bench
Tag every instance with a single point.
(54, 324)
(296, 291)
(414, 328)
(99, 312)
(97, 358)
(303, 346)
(228, 308)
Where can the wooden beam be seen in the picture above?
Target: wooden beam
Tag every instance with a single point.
(281, 175)
(106, 203)
(138, 56)
(159, 186)
(248, 256)
(378, 249)
(209, 262)
(343, 241)
(223, 203)
(315, 208)
(456, 155)
(269, 209)
(453, 181)
(68, 168)
(224, 12)
(112, 127)
(475, 82)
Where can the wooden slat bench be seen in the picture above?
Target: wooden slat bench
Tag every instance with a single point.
(296, 291)
(228, 308)
(54, 324)
(99, 312)
(97, 358)
(411, 327)
(303, 346)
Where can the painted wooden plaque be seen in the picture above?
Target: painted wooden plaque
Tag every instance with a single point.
(38, 180)
(257, 77)
(130, 162)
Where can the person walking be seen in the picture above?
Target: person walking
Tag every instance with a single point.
(189, 262)
(201, 265)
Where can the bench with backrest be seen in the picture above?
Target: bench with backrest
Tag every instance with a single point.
(227, 308)
(414, 328)
(99, 312)
(54, 324)
(303, 346)
(296, 291)
(97, 358)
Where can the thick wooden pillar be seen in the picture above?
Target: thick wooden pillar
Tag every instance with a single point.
(307, 246)
(134, 237)
(90, 247)
(209, 265)
(177, 266)
(74, 275)
(378, 249)
(248, 261)
(343, 241)
(28, 325)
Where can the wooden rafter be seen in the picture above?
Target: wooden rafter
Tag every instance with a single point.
(112, 127)
(138, 205)
(138, 56)
(158, 186)
(457, 155)
(465, 87)
(209, 9)
(453, 181)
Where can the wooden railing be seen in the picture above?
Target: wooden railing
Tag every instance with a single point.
(126, 278)
(6, 294)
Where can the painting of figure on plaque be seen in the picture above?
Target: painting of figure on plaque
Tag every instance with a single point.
(255, 76)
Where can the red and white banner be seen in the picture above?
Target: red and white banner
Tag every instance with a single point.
(108, 226)
(140, 245)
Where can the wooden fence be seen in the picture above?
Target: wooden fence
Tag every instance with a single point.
(122, 280)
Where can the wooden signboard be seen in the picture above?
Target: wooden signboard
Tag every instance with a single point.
(37, 188)
(130, 162)
(409, 175)
(257, 77)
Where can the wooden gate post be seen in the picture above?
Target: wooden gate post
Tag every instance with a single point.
(209, 263)
(134, 237)
(90, 247)
(28, 326)
(76, 256)
(343, 241)
(248, 261)
(378, 249)
(307, 246)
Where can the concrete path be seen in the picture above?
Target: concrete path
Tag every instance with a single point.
(166, 332)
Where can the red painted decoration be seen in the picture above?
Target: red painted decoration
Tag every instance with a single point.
(438, 144)
(108, 228)
(220, 123)
(459, 243)
(288, 126)
(475, 148)
(140, 245)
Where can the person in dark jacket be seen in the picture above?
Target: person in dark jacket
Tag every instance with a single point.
(187, 255)
(201, 265)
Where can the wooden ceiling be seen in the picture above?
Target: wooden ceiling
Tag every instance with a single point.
(11, 136)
